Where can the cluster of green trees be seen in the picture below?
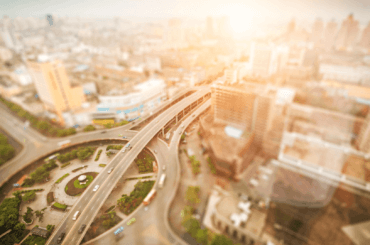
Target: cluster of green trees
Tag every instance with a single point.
(127, 204)
(27, 217)
(40, 214)
(89, 128)
(145, 163)
(195, 165)
(43, 126)
(81, 153)
(110, 219)
(6, 150)
(182, 136)
(113, 125)
(202, 236)
(192, 194)
(50, 228)
(115, 147)
(40, 174)
(29, 196)
(211, 166)
(98, 155)
(34, 240)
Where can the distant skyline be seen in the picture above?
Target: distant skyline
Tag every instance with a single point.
(262, 11)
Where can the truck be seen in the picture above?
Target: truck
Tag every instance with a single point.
(64, 143)
(161, 180)
(168, 135)
(149, 197)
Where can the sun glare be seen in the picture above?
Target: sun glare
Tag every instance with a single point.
(240, 19)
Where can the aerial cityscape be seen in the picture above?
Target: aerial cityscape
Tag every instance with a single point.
(180, 122)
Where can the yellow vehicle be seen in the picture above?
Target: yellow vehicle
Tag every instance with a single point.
(131, 221)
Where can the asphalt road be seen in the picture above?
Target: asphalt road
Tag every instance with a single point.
(35, 144)
(90, 202)
(150, 226)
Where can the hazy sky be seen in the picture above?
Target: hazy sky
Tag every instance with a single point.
(265, 10)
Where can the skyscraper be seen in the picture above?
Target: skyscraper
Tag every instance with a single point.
(317, 31)
(348, 33)
(53, 86)
(330, 34)
(365, 38)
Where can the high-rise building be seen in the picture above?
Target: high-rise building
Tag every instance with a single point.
(317, 31)
(330, 34)
(231, 76)
(365, 38)
(348, 33)
(233, 106)
(363, 139)
(246, 107)
(53, 86)
(264, 60)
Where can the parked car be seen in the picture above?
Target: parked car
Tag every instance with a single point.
(96, 188)
(82, 228)
(103, 132)
(61, 237)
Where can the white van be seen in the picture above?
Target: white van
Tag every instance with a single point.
(76, 215)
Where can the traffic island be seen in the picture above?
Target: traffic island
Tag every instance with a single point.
(75, 186)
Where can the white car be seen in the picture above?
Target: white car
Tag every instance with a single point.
(110, 170)
(164, 168)
(96, 188)
(155, 152)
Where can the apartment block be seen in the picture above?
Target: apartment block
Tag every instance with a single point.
(53, 86)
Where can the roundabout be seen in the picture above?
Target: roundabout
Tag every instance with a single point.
(78, 184)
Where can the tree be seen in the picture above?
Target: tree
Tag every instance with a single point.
(192, 226)
(50, 228)
(202, 236)
(9, 212)
(17, 194)
(43, 125)
(29, 196)
(28, 215)
(40, 214)
(192, 194)
(221, 240)
(89, 128)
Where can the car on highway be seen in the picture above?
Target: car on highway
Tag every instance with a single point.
(103, 132)
(155, 152)
(146, 208)
(110, 170)
(124, 137)
(164, 168)
(96, 188)
(131, 221)
(61, 237)
(82, 228)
